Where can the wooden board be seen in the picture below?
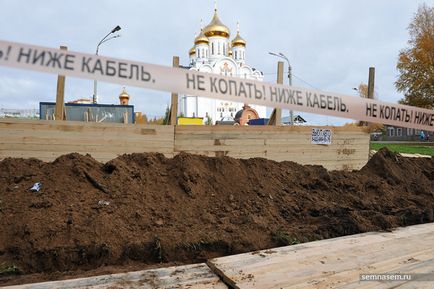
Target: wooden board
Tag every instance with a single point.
(47, 140)
(349, 149)
(197, 276)
(335, 263)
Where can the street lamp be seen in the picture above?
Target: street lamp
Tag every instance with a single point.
(105, 39)
(281, 55)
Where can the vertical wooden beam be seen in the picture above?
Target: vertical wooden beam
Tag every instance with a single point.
(371, 89)
(276, 115)
(60, 95)
(371, 82)
(174, 100)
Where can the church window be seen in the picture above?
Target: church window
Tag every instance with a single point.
(212, 48)
(236, 54)
(218, 48)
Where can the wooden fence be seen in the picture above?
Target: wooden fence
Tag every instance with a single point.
(47, 140)
(349, 148)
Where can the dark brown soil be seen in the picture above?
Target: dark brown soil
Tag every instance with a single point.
(144, 209)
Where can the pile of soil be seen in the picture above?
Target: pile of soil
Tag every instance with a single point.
(147, 209)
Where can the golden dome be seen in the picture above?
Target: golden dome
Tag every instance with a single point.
(230, 53)
(238, 40)
(201, 38)
(216, 27)
(124, 97)
(192, 51)
(124, 94)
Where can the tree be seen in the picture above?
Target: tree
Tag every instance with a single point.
(416, 63)
(156, 121)
(167, 116)
(363, 93)
(145, 118)
(363, 90)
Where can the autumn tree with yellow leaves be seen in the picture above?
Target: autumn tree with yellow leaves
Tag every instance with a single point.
(416, 63)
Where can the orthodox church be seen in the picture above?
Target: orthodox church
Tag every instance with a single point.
(214, 52)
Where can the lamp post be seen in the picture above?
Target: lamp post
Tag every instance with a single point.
(105, 39)
(281, 55)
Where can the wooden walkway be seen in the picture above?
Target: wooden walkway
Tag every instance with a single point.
(197, 276)
(333, 263)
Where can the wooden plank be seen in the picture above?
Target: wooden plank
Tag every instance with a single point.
(305, 153)
(84, 137)
(276, 115)
(197, 276)
(181, 129)
(50, 156)
(75, 126)
(174, 98)
(249, 129)
(264, 136)
(103, 142)
(333, 263)
(60, 95)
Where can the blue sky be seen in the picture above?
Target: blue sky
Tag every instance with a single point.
(331, 44)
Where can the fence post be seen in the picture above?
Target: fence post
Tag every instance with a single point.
(174, 100)
(60, 95)
(276, 115)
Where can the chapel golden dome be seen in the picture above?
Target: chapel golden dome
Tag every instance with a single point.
(216, 27)
(201, 38)
(238, 40)
(124, 97)
(124, 93)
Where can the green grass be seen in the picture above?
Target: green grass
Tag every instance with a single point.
(403, 148)
(8, 270)
(284, 239)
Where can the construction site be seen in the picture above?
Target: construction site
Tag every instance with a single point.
(116, 198)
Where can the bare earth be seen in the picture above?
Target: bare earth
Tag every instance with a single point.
(144, 210)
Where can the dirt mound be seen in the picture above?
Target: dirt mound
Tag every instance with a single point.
(147, 209)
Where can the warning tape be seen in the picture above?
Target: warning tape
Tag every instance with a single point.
(191, 82)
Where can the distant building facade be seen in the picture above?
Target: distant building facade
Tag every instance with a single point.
(213, 52)
(396, 133)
